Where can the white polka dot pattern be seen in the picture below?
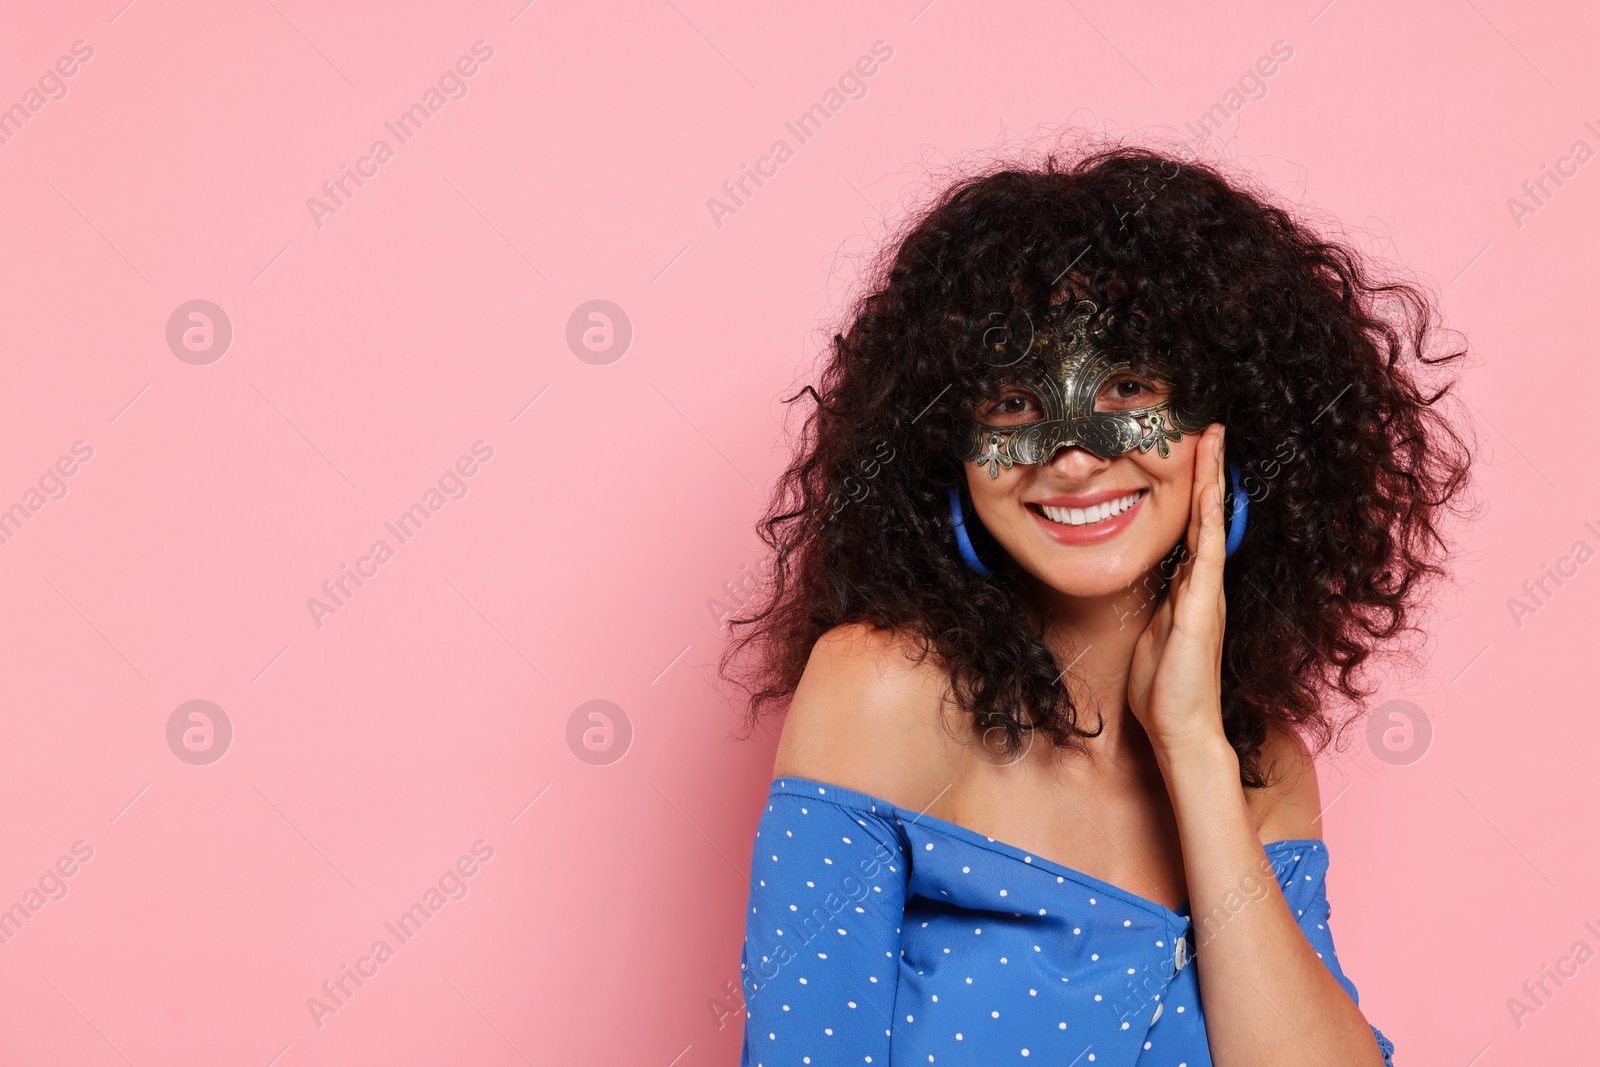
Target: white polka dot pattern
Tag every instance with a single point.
(876, 935)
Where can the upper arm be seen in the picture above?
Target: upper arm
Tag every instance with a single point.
(820, 965)
(1290, 806)
(867, 716)
(1302, 871)
(1290, 809)
(821, 957)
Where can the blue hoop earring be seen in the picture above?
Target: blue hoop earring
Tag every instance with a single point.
(963, 539)
(1240, 502)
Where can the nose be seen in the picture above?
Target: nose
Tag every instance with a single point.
(1075, 461)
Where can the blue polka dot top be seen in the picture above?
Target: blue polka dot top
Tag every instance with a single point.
(876, 935)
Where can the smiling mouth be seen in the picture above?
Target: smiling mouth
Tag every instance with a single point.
(1091, 515)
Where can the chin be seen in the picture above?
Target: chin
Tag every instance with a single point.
(1089, 577)
(1097, 570)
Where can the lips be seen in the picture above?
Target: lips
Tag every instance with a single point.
(1089, 509)
(1088, 519)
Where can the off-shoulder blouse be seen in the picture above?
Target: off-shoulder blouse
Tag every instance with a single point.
(876, 935)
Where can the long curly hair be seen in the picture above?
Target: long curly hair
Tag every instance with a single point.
(1318, 366)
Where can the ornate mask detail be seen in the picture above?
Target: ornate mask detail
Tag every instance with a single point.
(1079, 363)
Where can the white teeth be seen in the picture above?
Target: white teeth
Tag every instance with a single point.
(1090, 516)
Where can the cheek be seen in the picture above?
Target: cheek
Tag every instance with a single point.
(991, 497)
(985, 491)
(1176, 471)
(1172, 481)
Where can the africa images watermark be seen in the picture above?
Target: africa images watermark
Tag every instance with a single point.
(1256, 485)
(1537, 993)
(1252, 888)
(744, 596)
(733, 1007)
(852, 489)
(1252, 85)
(51, 486)
(52, 885)
(452, 485)
(852, 85)
(51, 86)
(812, 923)
(1539, 592)
(451, 885)
(451, 85)
(1539, 191)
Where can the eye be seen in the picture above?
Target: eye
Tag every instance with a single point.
(1015, 406)
(1126, 393)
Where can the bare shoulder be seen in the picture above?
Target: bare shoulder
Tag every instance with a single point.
(1289, 806)
(868, 716)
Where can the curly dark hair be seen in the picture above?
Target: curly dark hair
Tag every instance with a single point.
(1314, 362)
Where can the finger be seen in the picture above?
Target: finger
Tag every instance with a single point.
(1216, 467)
(1204, 587)
(1207, 466)
(1221, 467)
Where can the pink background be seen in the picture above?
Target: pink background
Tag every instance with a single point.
(369, 353)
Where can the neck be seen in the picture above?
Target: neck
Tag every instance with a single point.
(1092, 637)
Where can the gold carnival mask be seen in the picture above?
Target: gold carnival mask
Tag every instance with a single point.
(1080, 363)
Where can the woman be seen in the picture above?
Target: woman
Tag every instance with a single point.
(1032, 797)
